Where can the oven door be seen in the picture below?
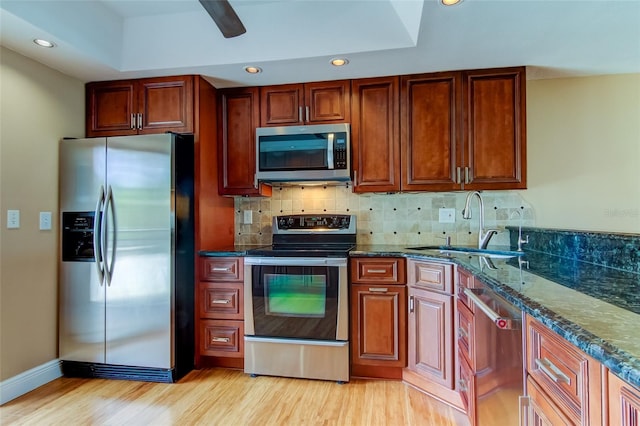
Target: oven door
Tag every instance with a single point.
(296, 298)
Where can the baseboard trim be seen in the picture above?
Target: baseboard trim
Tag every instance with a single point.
(29, 380)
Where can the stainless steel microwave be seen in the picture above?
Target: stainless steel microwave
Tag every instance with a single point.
(303, 153)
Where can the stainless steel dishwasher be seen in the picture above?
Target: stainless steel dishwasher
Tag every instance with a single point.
(497, 380)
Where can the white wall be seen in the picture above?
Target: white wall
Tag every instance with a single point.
(38, 107)
(584, 152)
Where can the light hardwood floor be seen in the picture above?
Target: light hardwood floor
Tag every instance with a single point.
(227, 397)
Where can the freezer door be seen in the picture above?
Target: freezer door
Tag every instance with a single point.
(139, 295)
(82, 293)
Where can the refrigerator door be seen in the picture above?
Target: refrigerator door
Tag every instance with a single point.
(139, 229)
(82, 292)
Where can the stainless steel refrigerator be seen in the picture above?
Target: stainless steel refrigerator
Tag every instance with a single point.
(127, 257)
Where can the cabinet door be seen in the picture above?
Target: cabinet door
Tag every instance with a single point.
(375, 134)
(378, 326)
(495, 129)
(624, 403)
(430, 126)
(282, 105)
(111, 108)
(430, 336)
(328, 102)
(165, 105)
(238, 112)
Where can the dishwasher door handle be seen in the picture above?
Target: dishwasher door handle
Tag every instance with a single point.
(503, 323)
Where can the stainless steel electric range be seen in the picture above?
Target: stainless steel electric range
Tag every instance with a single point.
(296, 299)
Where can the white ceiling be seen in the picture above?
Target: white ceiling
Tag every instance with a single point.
(293, 40)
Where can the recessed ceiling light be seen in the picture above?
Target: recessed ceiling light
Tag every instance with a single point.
(338, 62)
(253, 70)
(43, 43)
(450, 2)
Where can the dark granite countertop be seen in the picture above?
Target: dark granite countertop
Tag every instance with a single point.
(235, 250)
(594, 307)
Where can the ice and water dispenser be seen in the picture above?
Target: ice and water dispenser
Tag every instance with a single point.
(77, 236)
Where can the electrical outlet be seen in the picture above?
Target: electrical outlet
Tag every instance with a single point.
(248, 217)
(45, 221)
(13, 219)
(447, 215)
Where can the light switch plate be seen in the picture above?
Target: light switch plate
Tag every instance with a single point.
(248, 217)
(13, 219)
(447, 215)
(45, 221)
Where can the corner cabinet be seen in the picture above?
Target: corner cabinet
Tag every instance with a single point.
(238, 118)
(310, 103)
(378, 317)
(220, 312)
(432, 364)
(143, 106)
(375, 134)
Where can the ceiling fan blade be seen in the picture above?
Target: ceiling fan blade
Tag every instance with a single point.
(225, 17)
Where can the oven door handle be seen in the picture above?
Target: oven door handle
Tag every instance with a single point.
(296, 261)
(503, 323)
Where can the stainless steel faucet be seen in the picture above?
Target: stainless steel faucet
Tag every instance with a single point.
(483, 237)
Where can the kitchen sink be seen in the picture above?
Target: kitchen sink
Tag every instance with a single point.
(494, 254)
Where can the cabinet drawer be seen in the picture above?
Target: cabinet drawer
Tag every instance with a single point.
(222, 268)
(561, 370)
(431, 276)
(464, 280)
(466, 334)
(221, 300)
(467, 389)
(541, 410)
(379, 270)
(222, 338)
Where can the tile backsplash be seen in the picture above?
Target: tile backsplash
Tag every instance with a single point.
(399, 218)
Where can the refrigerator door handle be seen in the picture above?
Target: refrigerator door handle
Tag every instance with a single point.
(97, 236)
(109, 207)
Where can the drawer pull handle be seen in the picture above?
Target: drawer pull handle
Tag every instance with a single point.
(552, 371)
(221, 301)
(378, 289)
(220, 340)
(220, 269)
(376, 271)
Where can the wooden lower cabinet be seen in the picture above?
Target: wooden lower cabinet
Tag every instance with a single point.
(560, 372)
(623, 402)
(220, 312)
(378, 328)
(378, 317)
(432, 358)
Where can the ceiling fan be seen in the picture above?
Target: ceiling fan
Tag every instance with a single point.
(225, 17)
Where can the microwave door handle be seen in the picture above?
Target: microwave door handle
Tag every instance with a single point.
(330, 137)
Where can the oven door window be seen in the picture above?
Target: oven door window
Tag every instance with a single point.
(295, 301)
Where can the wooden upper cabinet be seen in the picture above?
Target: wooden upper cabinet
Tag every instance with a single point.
(495, 129)
(166, 105)
(309, 103)
(431, 123)
(375, 134)
(238, 117)
(144, 106)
